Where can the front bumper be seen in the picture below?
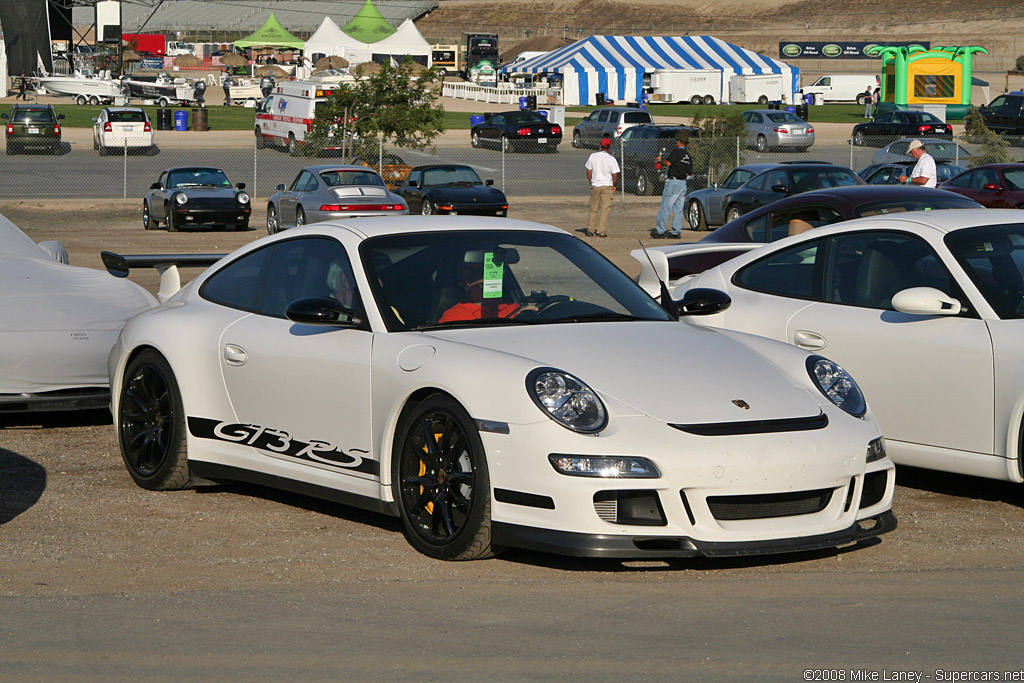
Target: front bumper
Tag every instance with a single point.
(473, 209)
(648, 546)
(211, 216)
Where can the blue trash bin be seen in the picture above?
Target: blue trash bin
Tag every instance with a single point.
(791, 109)
(543, 112)
(180, 120)
(524, 102)
(475, 119)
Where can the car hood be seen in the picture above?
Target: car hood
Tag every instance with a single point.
(207, 192)
(673, 372)
(467, 193)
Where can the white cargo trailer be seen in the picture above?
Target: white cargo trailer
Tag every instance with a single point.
(758, 88)
(696, 86)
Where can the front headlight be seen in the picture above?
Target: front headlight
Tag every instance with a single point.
(837, 385)
(243, 198)
(181, 198)
(566, 400)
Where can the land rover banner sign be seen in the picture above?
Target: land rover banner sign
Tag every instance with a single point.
(802, 49)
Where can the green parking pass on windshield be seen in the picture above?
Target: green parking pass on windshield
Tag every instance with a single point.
(492, 277)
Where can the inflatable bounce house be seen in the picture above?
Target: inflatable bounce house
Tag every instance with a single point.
(913, 74)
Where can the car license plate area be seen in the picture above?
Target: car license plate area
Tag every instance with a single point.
(127, 129)
(33, 130)
(542, 140)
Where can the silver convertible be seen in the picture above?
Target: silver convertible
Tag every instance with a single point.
(320, 193)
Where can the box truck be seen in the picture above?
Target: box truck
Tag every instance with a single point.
(758, 88)
(842, 87)
(696, 86)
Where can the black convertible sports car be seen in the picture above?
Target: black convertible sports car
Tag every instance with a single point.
(517, 130)
(452, 189)
(194, 196)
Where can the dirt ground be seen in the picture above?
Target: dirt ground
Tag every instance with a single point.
(72, 521)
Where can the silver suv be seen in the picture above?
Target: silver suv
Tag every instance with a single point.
(607, 122)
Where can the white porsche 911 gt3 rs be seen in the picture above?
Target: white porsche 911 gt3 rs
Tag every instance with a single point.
(495, 383)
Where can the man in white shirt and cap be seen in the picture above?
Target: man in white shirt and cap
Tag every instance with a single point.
(924, 172)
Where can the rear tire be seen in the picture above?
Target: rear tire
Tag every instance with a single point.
(762, 144)
(858, 139)
(293, 146)
(81, 100)
(300, 217)
(94, 101)
(577, 140)
(762, 100)
(151, 425)
(643, 185)
(733, 213)
(162, 102)
(273, 225)
(696, 99)
(709, 99)
(169, 219)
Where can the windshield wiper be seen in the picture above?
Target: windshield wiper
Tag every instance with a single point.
(599, 317)
(476, 322)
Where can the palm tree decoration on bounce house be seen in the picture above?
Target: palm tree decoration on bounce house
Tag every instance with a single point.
(941, 75)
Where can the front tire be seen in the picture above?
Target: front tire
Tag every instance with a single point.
(151, 424)
(300, 217)
(147, 220)
(169, 219)
(695, 215)
(441, 483)
(643, 185)
(577, 140)
(428, 208)
(474, 140)
(862, 99)
(273, 225)
(858, 139)
(696, 99)
(733, 213)
(163, 102)
(293, 145)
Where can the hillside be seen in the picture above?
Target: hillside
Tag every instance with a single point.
(997, 25)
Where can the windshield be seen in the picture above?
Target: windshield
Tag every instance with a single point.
(451, 175)
(193, 177)
(993, 257)
(337, 178)
(903, 204)
(435, 280)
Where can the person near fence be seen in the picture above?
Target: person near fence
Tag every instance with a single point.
(868, 103)
(603, 176)
(876, 97)
(673, 196)
(924, 172)
(22, 88)
(266, 85)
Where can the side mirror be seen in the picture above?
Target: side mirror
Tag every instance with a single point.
(240, 186)
(155, 186)
(410, 182)
(3, 116)
(280, 188)
(489, 181)
(95, 120)
(925, 301)
(703, 301)
(322, 310)
(993, 187)
(60, 116)
(781, 189)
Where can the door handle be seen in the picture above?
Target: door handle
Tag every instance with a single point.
(812, 341)
(235, 355)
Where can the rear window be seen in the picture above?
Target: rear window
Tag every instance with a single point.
(784, 117)
(33, 116)
(127, 116)
(636, 117)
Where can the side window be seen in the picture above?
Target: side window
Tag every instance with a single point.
(414, 178)
(312, 267)
(603, 115)
(163, 179)
(785, 273)
(984, 177)
(627, 136)
(613, 117)
(756, 118)
(757, 229)
(867, 268)
(802, 219)
(884, 118)
(736, 178)
(300, 181)
(963, 180)
(884, 175)
(757, 183)
(237, 285)
(746, 116)
(826, 81)
(498, 120)
(899, 147)
(773, 178)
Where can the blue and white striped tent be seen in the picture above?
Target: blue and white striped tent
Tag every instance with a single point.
(615, 65)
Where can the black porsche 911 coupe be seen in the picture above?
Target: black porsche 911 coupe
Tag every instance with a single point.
(196, 196)
(517, 131)
(452, 189)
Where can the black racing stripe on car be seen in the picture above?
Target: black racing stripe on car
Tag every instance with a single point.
(525, 499)
(789, 424)
(281, 442)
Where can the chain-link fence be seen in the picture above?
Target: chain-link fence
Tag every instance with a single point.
(125, 168)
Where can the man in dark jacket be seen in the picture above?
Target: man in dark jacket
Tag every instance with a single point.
(22, 88)
(673, 197)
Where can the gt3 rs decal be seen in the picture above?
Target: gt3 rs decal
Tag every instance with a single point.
(281, 443)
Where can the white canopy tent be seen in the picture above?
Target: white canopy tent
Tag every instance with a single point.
(3, 70)
(407, 40)
(331, 40)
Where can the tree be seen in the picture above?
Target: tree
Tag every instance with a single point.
(396, 104)
(993, 147)
(719, 147)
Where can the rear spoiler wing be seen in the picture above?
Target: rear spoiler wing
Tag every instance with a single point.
(119, 265)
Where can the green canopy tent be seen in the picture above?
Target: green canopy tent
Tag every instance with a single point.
(271, 34)
(368, 25)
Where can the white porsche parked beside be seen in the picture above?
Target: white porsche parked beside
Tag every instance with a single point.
(925, 308)
(494, 383)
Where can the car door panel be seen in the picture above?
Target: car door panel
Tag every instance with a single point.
(1009, 384)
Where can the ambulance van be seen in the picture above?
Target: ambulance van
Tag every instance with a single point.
(285, 118)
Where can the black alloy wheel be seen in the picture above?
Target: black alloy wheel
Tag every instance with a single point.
(151, 424)
(441, 482)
